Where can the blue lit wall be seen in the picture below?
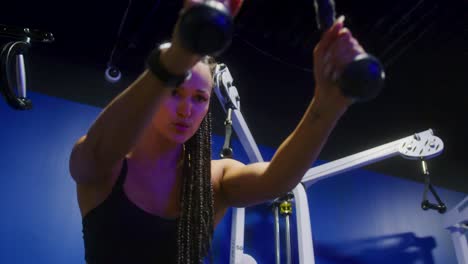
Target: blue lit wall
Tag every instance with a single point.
(357, 217)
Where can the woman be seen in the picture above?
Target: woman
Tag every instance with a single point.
(147, 188)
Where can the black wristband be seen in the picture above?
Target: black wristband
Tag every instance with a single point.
(155, 66)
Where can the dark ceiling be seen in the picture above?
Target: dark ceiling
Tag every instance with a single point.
(422, 43)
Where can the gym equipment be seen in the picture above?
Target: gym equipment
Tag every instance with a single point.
(420, 146)
(206, 28)
(364, 77)
(456, 222)
(14, 61)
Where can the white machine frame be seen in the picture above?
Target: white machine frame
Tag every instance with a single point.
(456, 221)
(421, 145)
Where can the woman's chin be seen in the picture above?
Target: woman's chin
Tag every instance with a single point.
(180, 138)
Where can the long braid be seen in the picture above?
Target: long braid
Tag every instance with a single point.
(196, 222)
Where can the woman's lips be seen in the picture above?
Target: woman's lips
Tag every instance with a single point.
(182, 126)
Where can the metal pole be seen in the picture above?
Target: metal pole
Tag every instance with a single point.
(277, 234)
(288, 240)
(20, 76)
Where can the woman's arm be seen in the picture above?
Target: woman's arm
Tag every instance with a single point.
(122, 122)
(243, 185)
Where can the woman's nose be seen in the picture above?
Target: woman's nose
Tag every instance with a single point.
(184, 108)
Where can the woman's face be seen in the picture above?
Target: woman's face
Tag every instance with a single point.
(184, 108)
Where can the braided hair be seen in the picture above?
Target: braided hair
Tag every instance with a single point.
(196, 222)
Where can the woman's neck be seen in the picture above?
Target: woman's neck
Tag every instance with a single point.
(154, 150)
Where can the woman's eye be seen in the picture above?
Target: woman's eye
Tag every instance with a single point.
(200, 98)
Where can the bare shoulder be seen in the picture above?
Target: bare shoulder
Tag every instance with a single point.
(94, 180)
(237, 184)
(219, 168)
(91, 194)
(86, 168)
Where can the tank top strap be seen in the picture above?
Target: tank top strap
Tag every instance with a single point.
(122, 176)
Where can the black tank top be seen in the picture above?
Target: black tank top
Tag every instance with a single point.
(117, 231)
